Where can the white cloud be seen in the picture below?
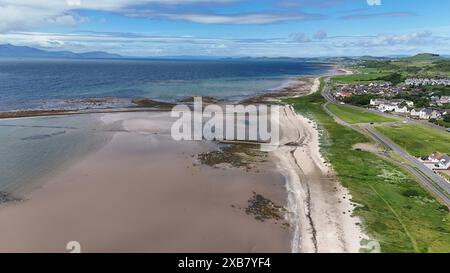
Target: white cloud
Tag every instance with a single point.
(415, 38)
(300, 37)
(235, 19)
(374, 2)
(67, 20)
(24, 14)
(148, 45)
(73, 2)
(320, 35)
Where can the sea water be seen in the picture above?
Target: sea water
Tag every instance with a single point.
(38, 84)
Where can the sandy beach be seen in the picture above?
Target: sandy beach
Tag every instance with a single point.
(144, 192)
(319, 206)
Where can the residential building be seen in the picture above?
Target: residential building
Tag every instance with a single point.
(343, 94)
(444, 99)
(437, 161)
(443, 164)
(426, 113)
(392, 107)
(421, 82)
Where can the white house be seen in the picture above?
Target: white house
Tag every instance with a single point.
(434, 158)
(425, 113)
(392, 105)
(376, 102)
(419, 82)
(415, 113)
(437, 161)
(444, 99)
(443, 164)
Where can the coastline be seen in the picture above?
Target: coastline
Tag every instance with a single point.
(320, 207)
(97, 105)
(319, 210)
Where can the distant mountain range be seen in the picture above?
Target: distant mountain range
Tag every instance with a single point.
(11, 51)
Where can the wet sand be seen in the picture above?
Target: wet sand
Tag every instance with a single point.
(144, 192)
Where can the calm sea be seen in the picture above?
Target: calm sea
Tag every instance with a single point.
(33, 147)
(35, 84)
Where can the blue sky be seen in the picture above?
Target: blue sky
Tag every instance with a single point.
(294, 28)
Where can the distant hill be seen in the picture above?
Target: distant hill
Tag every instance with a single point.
(424, 57)
(11, 51)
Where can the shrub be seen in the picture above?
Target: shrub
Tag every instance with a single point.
(410, 193)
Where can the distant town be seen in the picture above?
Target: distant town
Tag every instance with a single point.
(388, 98)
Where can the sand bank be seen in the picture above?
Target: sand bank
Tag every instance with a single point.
(144, 192)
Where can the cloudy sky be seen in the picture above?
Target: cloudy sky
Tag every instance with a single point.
(295, 28)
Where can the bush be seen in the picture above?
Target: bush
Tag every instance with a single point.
(444, 208)
(410, 193)
(394, 78)
(362, 100)
(447, 118)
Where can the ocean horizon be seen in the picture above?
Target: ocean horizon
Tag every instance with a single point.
(35, 84)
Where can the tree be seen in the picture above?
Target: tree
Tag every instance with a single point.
(447, 118)
(394, 78)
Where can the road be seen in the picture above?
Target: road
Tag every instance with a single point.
(437, 185)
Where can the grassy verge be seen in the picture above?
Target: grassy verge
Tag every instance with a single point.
(357, 78)
(417, 139)
(396, 211)
(447, 176)
(353, 116)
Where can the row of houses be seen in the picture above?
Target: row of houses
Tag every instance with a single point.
(403, 107)
(422, 82)
(397, 106)
(440, 100)
(380, 89)
(427, 113)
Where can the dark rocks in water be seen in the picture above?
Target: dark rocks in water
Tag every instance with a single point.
(264, 209)
(236, 155)
(205, 99)
(161, 105)
(34, 113)
(38, 137)
(90, 100)
(6, 198)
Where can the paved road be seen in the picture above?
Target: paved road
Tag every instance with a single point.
(430, 180)
(435, 183)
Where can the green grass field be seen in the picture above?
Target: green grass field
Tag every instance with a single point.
(394, 208)
(353, 116)
(357, 78)
(417, 139)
